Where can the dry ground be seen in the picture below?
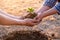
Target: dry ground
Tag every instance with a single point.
(18, 8)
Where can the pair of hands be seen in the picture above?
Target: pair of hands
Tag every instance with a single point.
(32, 22)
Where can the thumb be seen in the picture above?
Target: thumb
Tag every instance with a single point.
(37, 17)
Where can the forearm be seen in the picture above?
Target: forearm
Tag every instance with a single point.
(5, 13)
(54, 10)
(47, 5)
(43, 9)
(8, 20)
(48, 13)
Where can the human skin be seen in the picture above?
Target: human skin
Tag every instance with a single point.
(7, 19)
(44, 14)
(40, 11)
(46, 10)
(43, 9)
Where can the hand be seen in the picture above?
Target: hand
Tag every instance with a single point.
(38, 18)
(30, 22)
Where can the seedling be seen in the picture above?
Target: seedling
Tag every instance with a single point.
(30, 10)
(31, 13)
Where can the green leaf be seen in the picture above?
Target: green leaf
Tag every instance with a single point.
(30, 9)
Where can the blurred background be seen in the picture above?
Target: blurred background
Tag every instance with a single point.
(18, 7)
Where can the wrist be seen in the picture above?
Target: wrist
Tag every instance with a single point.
(38, 12)
(22, 22)
(40, 15)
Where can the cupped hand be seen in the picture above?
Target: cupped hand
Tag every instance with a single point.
(30, 22)
(38, 18)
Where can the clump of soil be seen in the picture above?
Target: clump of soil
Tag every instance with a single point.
(27, 36)
(31, 14)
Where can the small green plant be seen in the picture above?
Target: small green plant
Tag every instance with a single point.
(31, 12)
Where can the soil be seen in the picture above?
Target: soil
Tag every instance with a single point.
(50, 24)
(21, 33)
(27, 36)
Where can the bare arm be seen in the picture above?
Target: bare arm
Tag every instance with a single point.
(47, 5)
(5, 13)
(44, 8)
(8, 20)
(47, 13)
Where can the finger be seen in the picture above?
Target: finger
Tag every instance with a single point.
(39, 20)
(36, 18)
(34, 21)
(32, 24)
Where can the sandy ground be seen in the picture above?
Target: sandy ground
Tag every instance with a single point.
(18, 8)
